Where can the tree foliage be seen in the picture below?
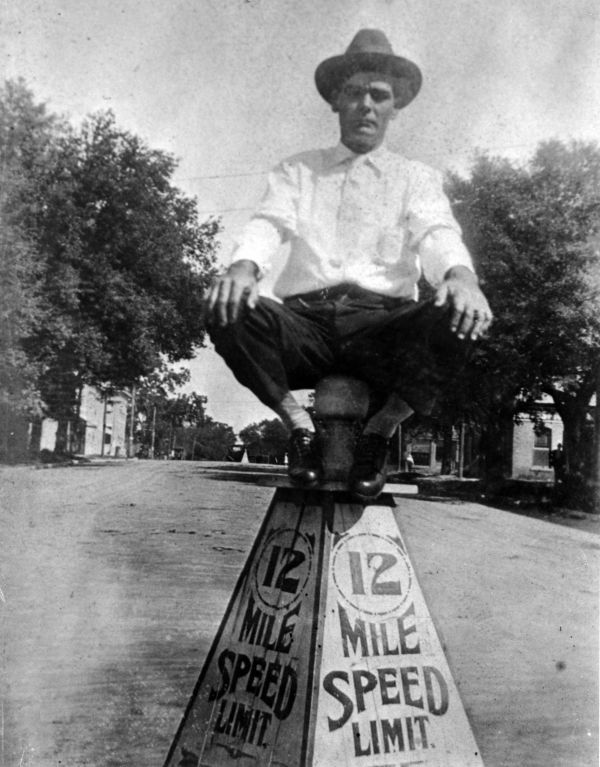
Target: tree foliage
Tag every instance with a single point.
(209, 441)
(27, 133)
(108, 254)
(534, 230)
(169, 422)
(266, 440)
(159, 410)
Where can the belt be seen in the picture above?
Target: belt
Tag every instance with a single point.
(333, 293)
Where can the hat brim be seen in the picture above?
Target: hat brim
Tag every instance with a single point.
(406, 76)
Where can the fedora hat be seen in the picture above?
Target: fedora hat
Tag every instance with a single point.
(370, 51)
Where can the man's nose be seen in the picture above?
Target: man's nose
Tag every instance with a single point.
(366, 102)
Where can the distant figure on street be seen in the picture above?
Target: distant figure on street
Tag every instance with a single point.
(409, 462)
(558, 463)
(363, 223)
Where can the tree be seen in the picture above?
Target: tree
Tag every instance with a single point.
(159, 411)
(267, 440)
(210, 441)
(534, 230)
(27, 133)
(168, 421)
(122, 262)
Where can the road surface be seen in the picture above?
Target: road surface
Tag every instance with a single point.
(115, 577)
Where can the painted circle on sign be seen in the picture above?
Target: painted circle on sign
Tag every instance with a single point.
(371, 573)
(282, 568)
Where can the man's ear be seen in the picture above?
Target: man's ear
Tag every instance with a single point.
(394, 114)
(334, 102)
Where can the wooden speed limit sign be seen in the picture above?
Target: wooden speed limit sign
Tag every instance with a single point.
(327, 654)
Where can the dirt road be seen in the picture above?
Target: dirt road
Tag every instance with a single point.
(115, 577)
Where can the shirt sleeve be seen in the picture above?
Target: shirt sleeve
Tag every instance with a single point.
(440, 250)
(275, 220)
(434, 232)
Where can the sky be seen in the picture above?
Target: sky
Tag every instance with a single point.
(227, 86)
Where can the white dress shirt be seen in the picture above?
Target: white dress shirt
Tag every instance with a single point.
(376, 220)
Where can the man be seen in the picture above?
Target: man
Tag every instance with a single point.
(363, 224)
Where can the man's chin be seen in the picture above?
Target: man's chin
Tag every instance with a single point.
(361, 144)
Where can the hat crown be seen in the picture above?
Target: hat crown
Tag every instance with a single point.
(369, 41)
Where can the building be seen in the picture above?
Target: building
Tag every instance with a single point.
(532, 444)
(100, 430)
(105, 420)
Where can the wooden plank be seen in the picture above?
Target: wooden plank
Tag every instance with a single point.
(277, 479)
(249, 705)
(386, 696)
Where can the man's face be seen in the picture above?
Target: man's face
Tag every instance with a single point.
(365, 105)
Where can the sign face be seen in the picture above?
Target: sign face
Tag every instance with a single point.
(386, 697)
(250, 703)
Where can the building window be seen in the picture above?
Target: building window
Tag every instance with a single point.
(541, 447)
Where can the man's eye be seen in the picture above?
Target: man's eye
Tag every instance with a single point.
(380, 96)
(353, 93)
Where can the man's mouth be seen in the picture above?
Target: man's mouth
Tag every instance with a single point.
(365, 124)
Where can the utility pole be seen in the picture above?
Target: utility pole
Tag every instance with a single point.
(400, 466)
(461, 450)
(103, 425)
(132, 424)
(153, 431)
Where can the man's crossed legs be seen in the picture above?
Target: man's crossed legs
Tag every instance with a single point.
(399, 347)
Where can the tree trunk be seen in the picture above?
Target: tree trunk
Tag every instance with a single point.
(461, 450)
(578, 443)
(574, 442)
(496, 448)
(61, 441)
(35, 437)
(447, 448)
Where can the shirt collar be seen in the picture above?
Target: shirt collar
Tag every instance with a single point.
(340, 153)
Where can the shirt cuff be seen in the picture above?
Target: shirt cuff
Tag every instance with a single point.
(258, 242)
(439, 250)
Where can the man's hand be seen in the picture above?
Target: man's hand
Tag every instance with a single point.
(230, 292)
(471, 314)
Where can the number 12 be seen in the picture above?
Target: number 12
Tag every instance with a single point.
(378, 588)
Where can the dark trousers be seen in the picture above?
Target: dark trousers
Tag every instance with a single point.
(394, 345)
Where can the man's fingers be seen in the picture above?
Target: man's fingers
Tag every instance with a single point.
(488, 321)
(483, 319)
(253, 296)
(225, 298)
(478, 326)
(471, 315)
(456, 318)
(467, 323)
(210, 299)
(442, 295)
(237, 293)
(213, 299)
(222, 301)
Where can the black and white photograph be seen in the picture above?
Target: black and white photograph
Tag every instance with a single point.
(299, 383)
